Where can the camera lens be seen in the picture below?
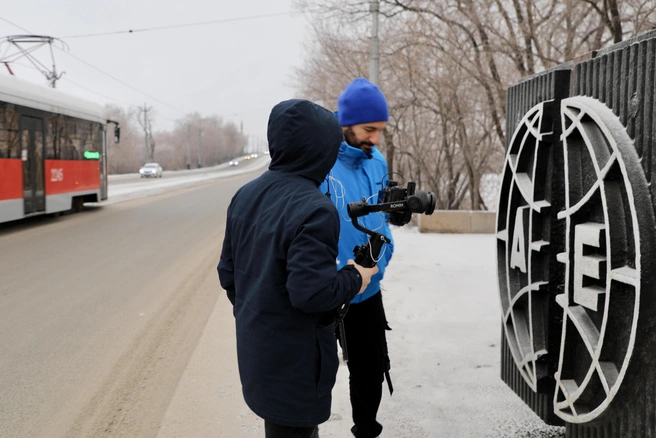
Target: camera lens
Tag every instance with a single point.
(430, 206)
(421, 202)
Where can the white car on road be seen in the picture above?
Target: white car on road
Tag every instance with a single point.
(149, 170)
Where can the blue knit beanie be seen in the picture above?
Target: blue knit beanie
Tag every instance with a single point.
(361, 102)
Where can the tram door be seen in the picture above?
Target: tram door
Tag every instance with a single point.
(32, 154)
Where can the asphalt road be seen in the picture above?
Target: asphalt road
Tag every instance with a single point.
(100, 311)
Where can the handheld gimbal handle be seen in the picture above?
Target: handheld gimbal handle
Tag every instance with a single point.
(367, 255)
(364, 255)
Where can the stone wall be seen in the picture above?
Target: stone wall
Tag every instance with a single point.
(457, 221)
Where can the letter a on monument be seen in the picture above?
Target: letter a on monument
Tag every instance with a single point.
(518, 249)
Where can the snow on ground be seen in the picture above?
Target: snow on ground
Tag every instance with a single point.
(442, 304)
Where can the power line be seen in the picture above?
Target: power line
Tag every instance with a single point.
(103, 72)
(246, 112)
(175, 26)
(157, 28)
(95, 92)
(30, 66)
(125, 83)
(68, 81)
(15, 25)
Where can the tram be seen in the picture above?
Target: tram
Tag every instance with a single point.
(53, 150)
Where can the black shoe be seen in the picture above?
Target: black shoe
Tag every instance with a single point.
(373, 433)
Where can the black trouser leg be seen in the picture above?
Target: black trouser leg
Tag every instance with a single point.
(365, 401)
(272, 430)
(365, 325)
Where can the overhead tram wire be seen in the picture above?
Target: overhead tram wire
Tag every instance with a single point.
(30, 66)
(15, 25)
(96, 93)
(124, 83)
(202, 23)
(175, 26)
(67, 80)
(241, 113)
(154, 29)
(101, 71)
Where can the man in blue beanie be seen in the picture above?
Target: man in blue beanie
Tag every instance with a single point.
(277, 266)
(360, 172)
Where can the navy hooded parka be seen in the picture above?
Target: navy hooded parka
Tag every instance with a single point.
(278, 268)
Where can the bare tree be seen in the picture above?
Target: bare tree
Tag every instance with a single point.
(194, 136)
(445, 68)
(126, 156)
(221, 141)
(145, 122)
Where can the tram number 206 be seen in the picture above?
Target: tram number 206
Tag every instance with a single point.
(56, 174)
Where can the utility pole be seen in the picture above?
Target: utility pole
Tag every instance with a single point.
(199, 134)
(374, 54)
(188, 145)
(374, 72)
(145, 125)
(145, 113)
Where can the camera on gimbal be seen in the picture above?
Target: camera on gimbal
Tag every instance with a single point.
(400, 202)
(416, 201)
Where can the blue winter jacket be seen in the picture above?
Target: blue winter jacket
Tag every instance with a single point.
(278, 268)
(354, 176)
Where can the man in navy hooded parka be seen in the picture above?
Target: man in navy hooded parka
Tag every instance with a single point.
(360, 172)
(278, 268)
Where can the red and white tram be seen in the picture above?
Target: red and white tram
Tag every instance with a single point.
(53, 150)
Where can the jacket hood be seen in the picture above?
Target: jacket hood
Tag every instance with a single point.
(304, 139)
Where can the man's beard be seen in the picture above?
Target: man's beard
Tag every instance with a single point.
(351, 140)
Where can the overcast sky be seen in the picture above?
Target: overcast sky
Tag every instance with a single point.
(236, 69)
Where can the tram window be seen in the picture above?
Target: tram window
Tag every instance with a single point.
(69, 152)
(5, 148)
(54, 135)
(9, 144)
(25, 149)
(68, 138)
(71, 140)
(38, 158)
(90, 137)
